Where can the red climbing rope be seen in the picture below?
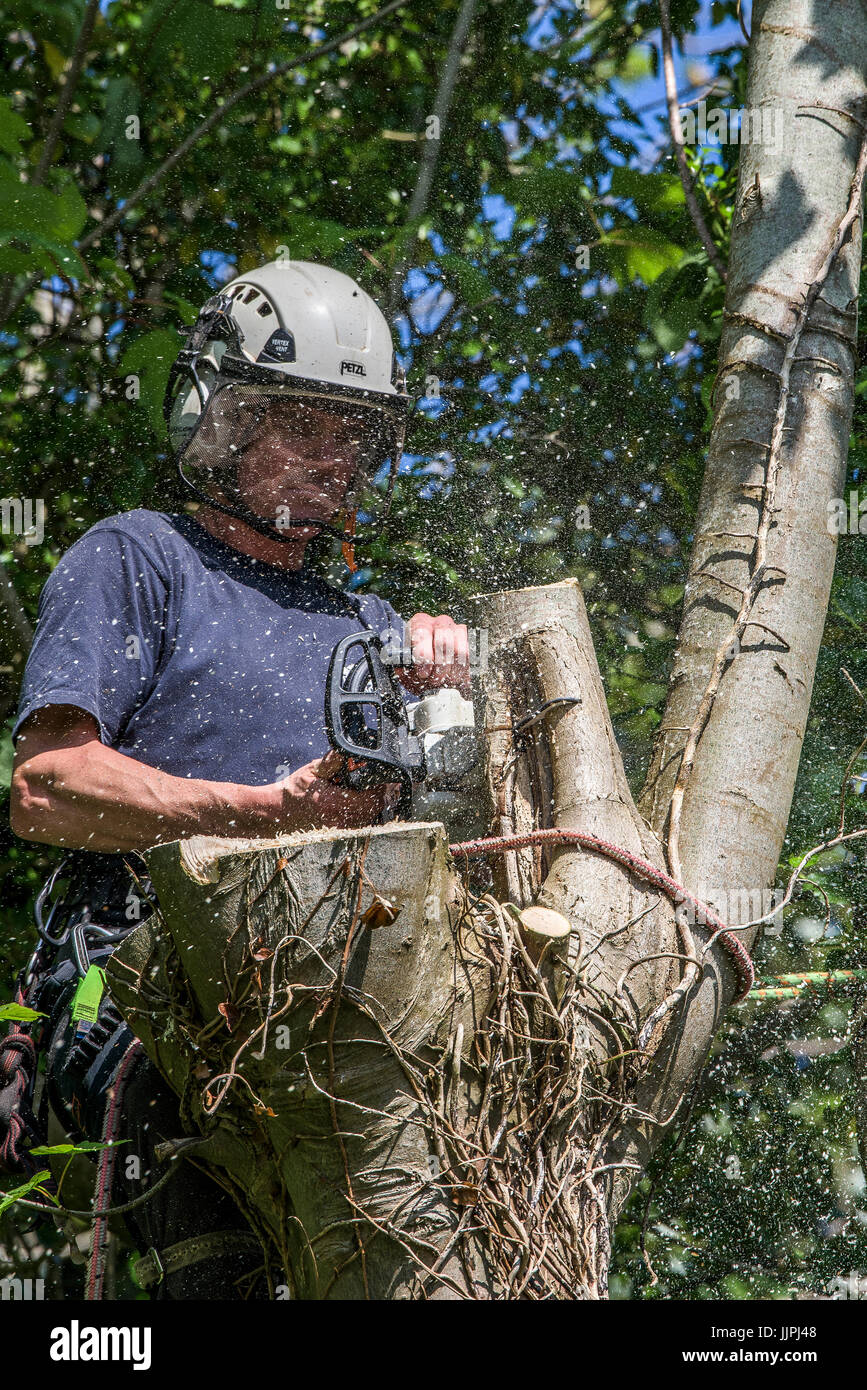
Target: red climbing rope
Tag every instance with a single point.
(17, 1069)
(105, 1172)
(735, 949)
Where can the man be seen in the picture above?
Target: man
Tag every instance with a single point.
(176, 687)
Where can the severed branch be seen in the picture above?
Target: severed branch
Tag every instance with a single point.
(695, 212)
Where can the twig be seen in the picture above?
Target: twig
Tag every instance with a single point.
(431, 148)
(70, 82)
(695, 212)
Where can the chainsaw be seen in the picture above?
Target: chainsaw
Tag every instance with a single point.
(428, 746)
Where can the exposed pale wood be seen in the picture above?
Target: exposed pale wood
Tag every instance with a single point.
(230, 908)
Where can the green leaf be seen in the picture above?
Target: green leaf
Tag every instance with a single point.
(19, 262)
(473, 285)
(45, 222)
(208, 38)
(43, 253)
(13, 128)
(670, 594)
(546, 192)
(639, 62)
(63, 19)
(18, 1013)
(669, 316)
(513, 486)
(115, 273)
(187, 311)
(13, 1195)
(643, 252)
(309, 238)
(676, 305)
(649, 192)
(85, 127)
(125, 153)
(66, 215)
(849, 600)
(55, 61)
(286, 144)
(150, 358)
(85, 1147)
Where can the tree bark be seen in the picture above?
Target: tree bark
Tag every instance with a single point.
(433, 1117)
(295, 992)
(807, 67)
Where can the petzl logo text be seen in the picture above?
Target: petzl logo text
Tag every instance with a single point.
(352, 369)
(76, 1343)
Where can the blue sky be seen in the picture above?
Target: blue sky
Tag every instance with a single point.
(690, 61)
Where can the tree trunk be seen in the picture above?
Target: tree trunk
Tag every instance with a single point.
(436, 1106)
(807, 67)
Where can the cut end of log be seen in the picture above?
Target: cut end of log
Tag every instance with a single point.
(200, 855)
(544, 923)
(539, 926)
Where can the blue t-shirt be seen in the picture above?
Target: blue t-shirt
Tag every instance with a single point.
(191, 657)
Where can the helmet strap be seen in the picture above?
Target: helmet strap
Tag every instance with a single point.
(346, 533)
(348, 546)
(262, 524)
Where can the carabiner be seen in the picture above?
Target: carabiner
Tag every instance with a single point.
(44, 893)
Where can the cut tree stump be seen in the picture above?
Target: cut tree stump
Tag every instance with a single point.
(233, 989)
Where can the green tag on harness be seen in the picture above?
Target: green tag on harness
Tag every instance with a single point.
(85, 1001)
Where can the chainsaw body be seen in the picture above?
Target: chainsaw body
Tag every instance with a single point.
(429, 746)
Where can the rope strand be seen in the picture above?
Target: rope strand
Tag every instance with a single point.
(736, 951)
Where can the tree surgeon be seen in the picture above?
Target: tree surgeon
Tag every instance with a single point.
(176, 686)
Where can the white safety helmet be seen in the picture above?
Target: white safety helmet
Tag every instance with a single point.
(290, 330)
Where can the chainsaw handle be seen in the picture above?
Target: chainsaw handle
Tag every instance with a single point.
(372, 684)
(355, 774)
(360, 775)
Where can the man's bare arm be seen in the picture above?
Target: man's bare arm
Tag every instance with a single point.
(69, 789)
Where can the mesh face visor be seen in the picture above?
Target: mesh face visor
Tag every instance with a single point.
(283, 449)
